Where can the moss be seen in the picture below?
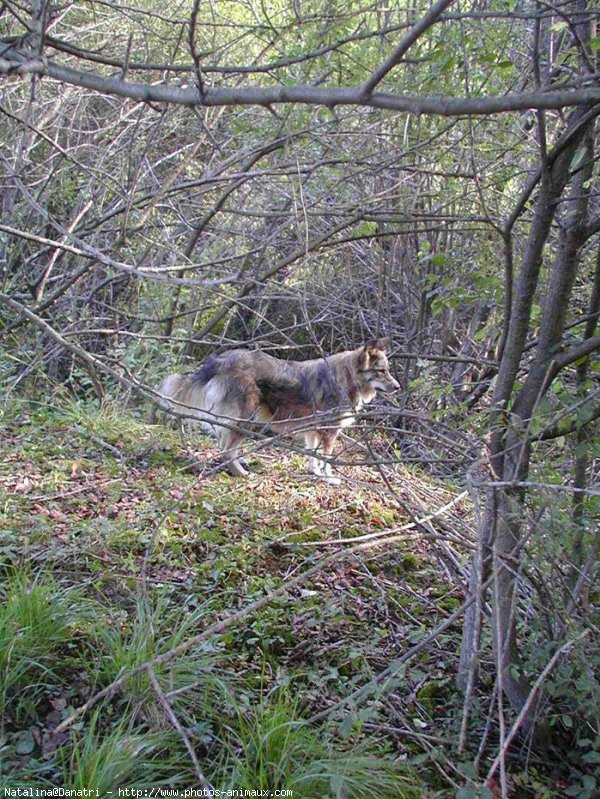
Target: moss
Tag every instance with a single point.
(410, 562)
(405, 564)
(449, 603)
(427, 695)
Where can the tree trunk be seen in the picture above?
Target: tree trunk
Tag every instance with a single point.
(502, 519)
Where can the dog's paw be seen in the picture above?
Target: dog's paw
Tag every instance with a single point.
(236, 469)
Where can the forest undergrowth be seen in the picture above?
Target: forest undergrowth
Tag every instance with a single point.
(166, 625)
(122, 541)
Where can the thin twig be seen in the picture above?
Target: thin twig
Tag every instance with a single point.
(531, 698)
(177, 724)
(385, 533)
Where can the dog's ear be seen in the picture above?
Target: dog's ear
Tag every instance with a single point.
(379, 344)
(351, 386)
(363, 357)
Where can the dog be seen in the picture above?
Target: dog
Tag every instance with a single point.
(238, 389)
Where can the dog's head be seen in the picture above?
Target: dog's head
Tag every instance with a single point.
(374, 367)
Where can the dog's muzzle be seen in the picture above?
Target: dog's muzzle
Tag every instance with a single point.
(390, 386)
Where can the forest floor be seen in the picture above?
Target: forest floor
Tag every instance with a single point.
(115, 548)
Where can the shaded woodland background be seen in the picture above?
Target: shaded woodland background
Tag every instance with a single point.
(301, 177)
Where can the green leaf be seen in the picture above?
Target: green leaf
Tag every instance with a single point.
(26, 743)
(578, 158)
(467, 769)
(367, 229)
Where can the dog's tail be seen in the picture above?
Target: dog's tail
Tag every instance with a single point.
(181, 393)
(170, 389)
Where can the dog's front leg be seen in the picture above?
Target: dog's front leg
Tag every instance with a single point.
(317, 441)
(235, 467)
(328, 440)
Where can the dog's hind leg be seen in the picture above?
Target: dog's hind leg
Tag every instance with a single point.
(312, 439)
(230, 444)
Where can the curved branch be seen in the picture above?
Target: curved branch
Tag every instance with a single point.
(592, 227)
(17, 61)
(557, 430)
(587, 347)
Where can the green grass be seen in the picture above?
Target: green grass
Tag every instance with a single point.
(196, 682)
(281, 751)
(119, 759)
(37, 619)
(104, 760)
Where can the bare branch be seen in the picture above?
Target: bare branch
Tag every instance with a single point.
(411, 37)
(178, 726)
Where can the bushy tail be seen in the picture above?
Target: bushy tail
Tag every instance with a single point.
(182, 394)
(171, 389)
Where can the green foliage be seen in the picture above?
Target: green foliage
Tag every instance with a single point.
(575, 691)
